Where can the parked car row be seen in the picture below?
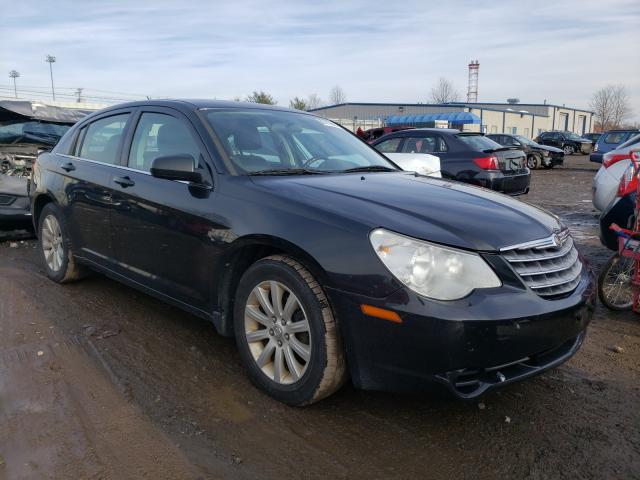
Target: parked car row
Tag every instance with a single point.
(537, 155)
(568, 142)
(465, 157)
(317, 253)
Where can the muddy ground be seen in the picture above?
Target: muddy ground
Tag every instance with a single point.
(100, 381)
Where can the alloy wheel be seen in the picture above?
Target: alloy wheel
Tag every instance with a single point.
(568, 149)
(278, 333)
(52, 243)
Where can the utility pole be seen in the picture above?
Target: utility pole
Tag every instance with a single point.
(79, 94)
(50, 59)
(14, 74)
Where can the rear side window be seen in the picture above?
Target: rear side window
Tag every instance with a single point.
(615, 137)
(389, 146)
(160, 135)
(102, 139)
(428, 144)
(478, 142)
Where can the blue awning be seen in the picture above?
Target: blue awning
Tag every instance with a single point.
(417, 120)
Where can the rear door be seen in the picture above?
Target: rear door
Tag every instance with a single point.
(86, 172)
(164, 231)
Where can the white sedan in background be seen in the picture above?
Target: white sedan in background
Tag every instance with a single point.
(422, 163)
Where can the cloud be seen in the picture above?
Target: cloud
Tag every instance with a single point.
(377, 51)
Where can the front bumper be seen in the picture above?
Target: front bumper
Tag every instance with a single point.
(517, 184)
(491, 338)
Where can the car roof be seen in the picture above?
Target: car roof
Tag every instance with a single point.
(201, 104)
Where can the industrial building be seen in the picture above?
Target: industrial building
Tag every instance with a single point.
(526, 119)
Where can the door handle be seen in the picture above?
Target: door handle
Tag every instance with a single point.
(124, 182)
(68, 167)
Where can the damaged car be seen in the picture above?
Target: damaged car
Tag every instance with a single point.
(27, 129)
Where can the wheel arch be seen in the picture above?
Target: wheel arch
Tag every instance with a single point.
(243, 253)
(39, 202)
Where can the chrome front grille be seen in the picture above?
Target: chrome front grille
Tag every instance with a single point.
(550, 266)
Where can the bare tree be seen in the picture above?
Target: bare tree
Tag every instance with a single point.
(444, 92)
(610, 106)
(314, 101)
(298, 103)
(337, 95)
(261, 97)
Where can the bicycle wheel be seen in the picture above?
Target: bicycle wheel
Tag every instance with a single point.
(614, 283)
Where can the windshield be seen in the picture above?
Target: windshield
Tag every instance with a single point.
(479, 142)
(32, 132)
(573, 136)
(525, 140)
(289, 143)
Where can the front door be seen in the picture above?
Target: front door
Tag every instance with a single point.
(164, 231)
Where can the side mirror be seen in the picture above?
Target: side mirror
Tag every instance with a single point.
(176, 167)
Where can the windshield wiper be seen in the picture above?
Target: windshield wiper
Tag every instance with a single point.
(287, 171)
(370, 168)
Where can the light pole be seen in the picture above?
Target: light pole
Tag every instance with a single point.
(50, 59)
(14, 74)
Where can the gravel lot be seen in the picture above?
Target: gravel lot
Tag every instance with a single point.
(100, 381)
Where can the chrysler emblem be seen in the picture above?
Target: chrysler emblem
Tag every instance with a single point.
(556, 240)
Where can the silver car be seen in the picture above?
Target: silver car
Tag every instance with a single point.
(614, 164)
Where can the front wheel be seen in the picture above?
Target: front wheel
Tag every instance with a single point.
(614, 283)
(286, 332)
(568, 150)
(532, 162)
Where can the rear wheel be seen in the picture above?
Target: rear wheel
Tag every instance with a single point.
(286, 333)
(55, 246)
(614, 283)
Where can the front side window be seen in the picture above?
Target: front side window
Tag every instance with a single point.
(160, 135)
(271, 141)
(102, 139)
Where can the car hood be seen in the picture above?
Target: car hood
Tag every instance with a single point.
(440, 211)
(549, 149)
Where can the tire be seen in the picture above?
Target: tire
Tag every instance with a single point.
(617, 272)
(532, 162)
(300, 381)
(55, 247)
(568, 150)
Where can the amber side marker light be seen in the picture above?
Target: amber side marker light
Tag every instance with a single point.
(380, 313)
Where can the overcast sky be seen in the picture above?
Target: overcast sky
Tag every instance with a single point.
(391, 51)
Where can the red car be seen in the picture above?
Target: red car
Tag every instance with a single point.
(373, 134)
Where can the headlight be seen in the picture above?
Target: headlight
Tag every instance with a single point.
(434, 271)
(545, 153)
